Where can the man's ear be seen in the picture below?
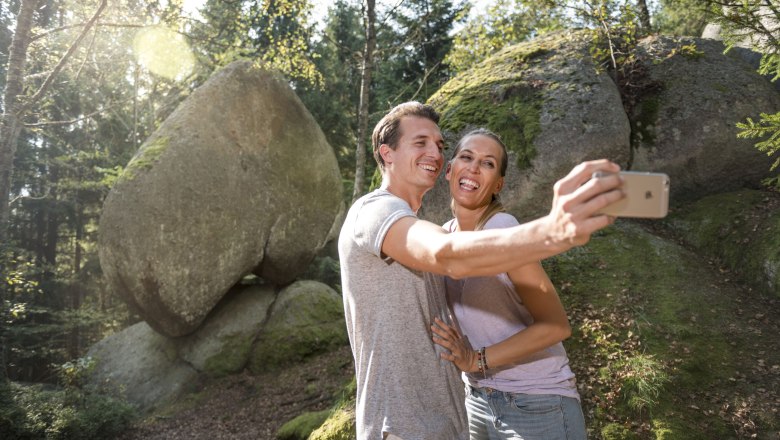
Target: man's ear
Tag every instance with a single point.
(387, 153)
(448, 171)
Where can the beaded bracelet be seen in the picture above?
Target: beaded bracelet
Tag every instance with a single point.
(482, 362)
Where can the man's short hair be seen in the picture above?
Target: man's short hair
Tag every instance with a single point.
(387, 130)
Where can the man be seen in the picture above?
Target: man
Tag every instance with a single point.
(404, 389)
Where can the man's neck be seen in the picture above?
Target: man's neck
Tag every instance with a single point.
(411, 195)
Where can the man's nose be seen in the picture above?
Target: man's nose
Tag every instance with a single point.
(434, 151)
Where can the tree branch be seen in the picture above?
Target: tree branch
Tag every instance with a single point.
(50, 79)
(75, 25)
(72, 121)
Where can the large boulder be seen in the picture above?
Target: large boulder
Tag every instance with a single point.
(141, 366)
(306, 319)
(687, 128)
(239, 179)
(742, 229)
(253, 326)
(550, 105)
(222, 344)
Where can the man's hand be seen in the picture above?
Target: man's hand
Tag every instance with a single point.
(577, 198)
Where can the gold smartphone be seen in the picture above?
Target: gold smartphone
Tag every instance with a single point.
(647, 195)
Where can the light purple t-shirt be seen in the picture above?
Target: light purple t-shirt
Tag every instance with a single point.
(489, 310)
(403, 386)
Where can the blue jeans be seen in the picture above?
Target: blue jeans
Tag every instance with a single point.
(496, 415)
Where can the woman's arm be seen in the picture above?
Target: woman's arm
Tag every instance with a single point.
(550, 326)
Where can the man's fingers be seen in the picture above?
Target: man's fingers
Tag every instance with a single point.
(594, 195)
(582, 173)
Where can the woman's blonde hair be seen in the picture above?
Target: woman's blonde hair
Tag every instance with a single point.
(495, 204)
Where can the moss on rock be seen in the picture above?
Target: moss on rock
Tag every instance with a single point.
(232, 357)
(308, 318)
(302, 426)
(498, 96)
(633, 294)
(742, 229)
(340, 425)
(146, 156)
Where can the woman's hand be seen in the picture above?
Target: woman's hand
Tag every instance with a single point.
(461, 353)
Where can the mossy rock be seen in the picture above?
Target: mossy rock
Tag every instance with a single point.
(302, 426)
(684, 123)
(307, 318)
(631, 293)
(552, 109)
(742, 229)
(340, 425)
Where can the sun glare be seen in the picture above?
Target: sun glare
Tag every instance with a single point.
(163, 52)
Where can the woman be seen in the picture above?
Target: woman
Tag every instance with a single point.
(518, 381)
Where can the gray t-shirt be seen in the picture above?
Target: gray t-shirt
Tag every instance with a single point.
(403, 386)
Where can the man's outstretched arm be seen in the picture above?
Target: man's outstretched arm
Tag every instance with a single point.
(424, 246)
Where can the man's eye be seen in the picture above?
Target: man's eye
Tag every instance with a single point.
(490, 164)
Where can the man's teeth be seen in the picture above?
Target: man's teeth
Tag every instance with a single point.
(428, 167)
(469, 184)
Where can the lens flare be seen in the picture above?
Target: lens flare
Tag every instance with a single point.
(163, 52)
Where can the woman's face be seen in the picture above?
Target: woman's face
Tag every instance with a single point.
(474, 174)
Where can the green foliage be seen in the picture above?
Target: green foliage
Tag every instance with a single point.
(682, 17)
(754, 23)
(411, 49)
(505, 23)
(75, 373)
(615, 34)
(334, 105)
(643, 378)
(275, 33)
(40, 412)
(767, 127)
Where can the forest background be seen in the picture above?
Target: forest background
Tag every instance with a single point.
(86, 82)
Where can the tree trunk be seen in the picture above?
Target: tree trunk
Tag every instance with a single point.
(365, 85)
(9, 132)
(644, 15)
(10, 125)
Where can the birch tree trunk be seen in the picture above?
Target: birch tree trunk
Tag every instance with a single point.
(365, 85)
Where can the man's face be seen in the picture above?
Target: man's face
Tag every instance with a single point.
(417, 160)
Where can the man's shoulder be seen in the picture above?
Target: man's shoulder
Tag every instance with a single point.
(379, 202)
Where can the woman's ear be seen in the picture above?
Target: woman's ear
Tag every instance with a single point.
(448, 171)
(499, 185)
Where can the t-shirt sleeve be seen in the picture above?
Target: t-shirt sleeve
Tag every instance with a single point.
(501, 220)
(375, 218)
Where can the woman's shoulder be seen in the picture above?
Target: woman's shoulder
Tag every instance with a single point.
(501, 220)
